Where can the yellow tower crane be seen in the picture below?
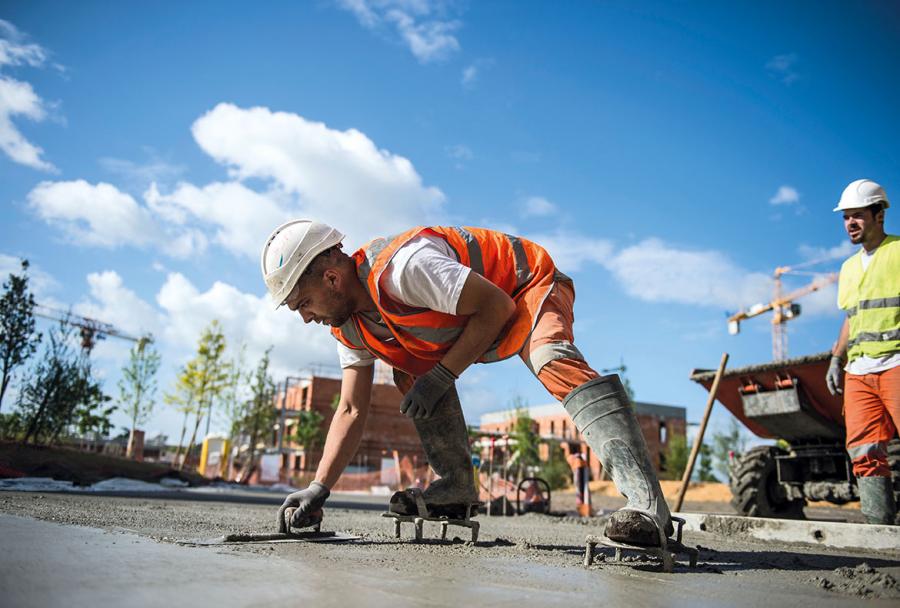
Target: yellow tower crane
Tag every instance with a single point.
(782, 305)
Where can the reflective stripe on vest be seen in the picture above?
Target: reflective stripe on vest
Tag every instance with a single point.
(522, 269)
(871, 299)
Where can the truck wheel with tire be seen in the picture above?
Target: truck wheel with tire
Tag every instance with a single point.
(755, 489)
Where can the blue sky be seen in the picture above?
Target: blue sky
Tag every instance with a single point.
(670, 156)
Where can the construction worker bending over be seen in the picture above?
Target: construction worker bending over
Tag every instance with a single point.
(430, 302)
(869, 292)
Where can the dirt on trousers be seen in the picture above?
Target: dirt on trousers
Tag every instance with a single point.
(531, 556)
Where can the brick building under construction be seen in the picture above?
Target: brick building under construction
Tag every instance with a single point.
(390, 452)
(659, 423)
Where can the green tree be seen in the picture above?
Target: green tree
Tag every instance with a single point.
(556, 471)
(61, 393)
(182, 398)
(706, 464)
(18, 339)
(259, 412)
(208, 372)
(308, 430)
(525, 439)
(724, 443)
(677, 455)
(233, 392)
(137, 388)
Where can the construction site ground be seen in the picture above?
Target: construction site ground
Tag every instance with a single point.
(95, 550)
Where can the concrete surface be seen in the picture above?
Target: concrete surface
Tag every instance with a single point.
(74, 550)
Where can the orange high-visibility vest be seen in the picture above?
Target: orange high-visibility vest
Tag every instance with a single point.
(421, 337)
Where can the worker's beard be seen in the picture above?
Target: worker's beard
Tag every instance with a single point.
(339, 310)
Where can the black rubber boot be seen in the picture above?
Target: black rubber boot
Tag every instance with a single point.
(445, 439)
(876, 500)
(602, 412)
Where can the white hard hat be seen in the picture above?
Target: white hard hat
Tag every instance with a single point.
(862, 193)
(289, 250)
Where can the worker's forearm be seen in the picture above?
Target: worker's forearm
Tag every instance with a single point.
(840, 346)
(341, 443)
(480, 331)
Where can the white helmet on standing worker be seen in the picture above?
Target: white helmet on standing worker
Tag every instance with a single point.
(289, 250)
(862, 193)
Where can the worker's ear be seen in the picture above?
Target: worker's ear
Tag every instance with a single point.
(332, 278)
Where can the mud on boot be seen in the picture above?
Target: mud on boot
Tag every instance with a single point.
(603, 414)
(413, 501)
(635, 528)
(445, 440)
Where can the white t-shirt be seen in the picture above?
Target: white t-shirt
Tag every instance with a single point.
(424, 273)
(863, 365)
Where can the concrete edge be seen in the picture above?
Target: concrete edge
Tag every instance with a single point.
(835, 535)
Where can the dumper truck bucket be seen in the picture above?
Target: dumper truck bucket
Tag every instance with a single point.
(782, 399)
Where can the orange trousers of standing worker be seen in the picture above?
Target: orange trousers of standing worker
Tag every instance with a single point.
(872, 415)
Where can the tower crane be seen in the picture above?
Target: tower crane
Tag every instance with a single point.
(782, 305)
(91, 330)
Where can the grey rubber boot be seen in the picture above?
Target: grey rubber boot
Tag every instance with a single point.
(602, 412)
(445, 439)
(876, 500)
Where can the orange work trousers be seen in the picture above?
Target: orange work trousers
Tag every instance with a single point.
(872, 415)
(550, 352)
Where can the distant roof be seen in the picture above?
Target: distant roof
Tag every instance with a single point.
(555, 409)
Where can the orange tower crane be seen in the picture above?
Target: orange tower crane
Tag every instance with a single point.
(782, 306)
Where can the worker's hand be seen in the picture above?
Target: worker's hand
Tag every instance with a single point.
(426, 391)
(833, 377)
(303, 508)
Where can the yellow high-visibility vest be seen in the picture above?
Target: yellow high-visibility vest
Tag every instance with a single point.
(871, 299)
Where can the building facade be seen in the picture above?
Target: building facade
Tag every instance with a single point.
(659, 423)
(389, 443)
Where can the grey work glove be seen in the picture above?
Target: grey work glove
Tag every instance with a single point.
(833, 377)
(303, 508)
(426, 391)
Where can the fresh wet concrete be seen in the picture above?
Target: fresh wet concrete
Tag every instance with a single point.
(89, 550)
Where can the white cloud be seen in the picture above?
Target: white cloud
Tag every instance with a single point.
(420, 24)
(786, 195)
(459, 152)
(782, 68)
(340, 177)
(114, 303)
(141, 175)
(93, 214)
(15, 51)
(102, 215)
(240, 217)
(538, 206)
(571, 251)
(469, 76)
(18, 98)
(656, 272)
(827, 254)
(821, 302)
(245, 318)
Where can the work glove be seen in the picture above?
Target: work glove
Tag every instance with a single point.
(426, 391)
(303, 508)
(833, 377)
